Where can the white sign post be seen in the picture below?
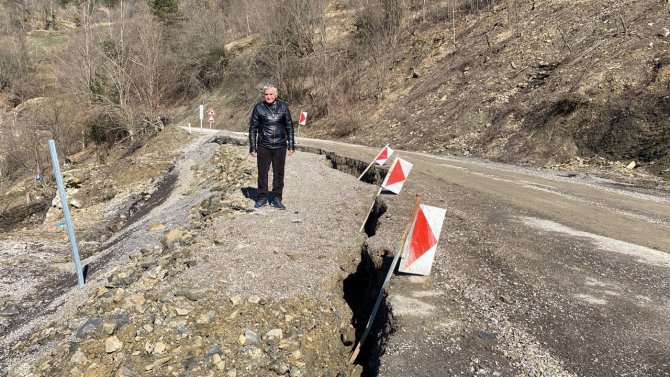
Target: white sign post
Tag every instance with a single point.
(202, 114)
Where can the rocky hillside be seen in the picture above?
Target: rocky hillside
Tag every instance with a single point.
(544, 83)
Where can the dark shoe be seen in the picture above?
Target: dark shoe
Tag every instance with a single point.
(261, 202)
(277, 203)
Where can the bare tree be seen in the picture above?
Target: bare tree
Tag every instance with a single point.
(378, 32)
(153, 73)
(198, 47)
(290, 39)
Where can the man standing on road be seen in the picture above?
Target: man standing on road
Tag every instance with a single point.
(270, 137)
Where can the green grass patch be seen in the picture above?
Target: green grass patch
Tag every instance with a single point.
(49, 40)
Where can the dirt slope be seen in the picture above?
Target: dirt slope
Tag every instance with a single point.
(569, 79)
(543, 83)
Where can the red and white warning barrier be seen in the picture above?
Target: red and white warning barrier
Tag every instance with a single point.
(302, 120)
(396, 258)
(394, 180)
(397, 175)
(418, 246)
(381, 158)
(384, 155)
(419, 250)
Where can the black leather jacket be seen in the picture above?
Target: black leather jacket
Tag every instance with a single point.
(271, 126)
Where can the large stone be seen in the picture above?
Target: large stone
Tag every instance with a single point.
(235, 300)
(79, 358)
(137, 300)
(118, 295)
(275, 334)
(172, 238)
(205, 318)
(251, 337)
(280, 368)
(113, 344)
(9, 311)
(108, 327)
(159, 348)
(193, 294)
(182, 311)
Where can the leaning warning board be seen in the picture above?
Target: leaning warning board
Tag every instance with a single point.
(419, 250)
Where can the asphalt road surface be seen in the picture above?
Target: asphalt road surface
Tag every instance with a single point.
(537, 273)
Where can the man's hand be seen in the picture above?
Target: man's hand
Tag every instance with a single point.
(290, 152)
(253, 154)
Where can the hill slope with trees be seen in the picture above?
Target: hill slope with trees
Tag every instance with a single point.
(545, 83)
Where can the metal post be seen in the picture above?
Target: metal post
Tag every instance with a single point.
(66, 212)
(202, 114)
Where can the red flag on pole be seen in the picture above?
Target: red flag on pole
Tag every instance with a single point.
(397, 175)
(384, 155)
(381, 158)
(303, 118)
(419, 250)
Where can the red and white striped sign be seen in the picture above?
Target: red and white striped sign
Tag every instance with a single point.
(419, 250)
(303, 118)
(384, 155)
(397, 175)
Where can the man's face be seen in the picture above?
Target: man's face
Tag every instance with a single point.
(270, 96)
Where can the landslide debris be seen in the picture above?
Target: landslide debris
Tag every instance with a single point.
(139, 324)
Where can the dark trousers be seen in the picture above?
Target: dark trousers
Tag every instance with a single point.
(265, 158)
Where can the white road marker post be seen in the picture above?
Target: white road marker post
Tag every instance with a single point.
(396, 257)
(202, 114)
(66, 212)
(189, 127)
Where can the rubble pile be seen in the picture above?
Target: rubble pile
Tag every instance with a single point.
(142, 323)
